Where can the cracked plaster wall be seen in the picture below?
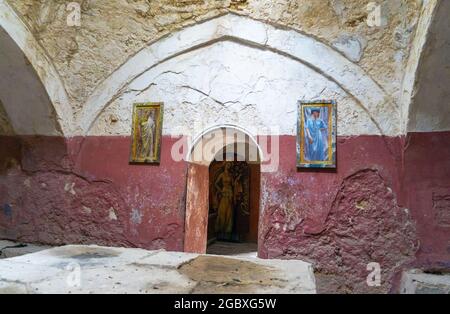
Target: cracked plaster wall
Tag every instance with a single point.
(231, 83)
(113, 31)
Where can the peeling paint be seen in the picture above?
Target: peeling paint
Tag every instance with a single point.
(112, 214)
(69, 187)
(7, 210)
(87, 210)
(136, 216)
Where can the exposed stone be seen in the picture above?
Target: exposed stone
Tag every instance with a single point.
(365, 225)
(351, 47)
(112, 214)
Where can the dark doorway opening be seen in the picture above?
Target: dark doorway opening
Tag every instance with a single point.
(233, 216)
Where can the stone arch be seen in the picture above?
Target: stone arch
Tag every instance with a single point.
(302, 48)
(212, 135)
(31, 81)
(427, 80)
(197, 189)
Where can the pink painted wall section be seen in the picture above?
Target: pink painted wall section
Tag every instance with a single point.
(387, 202)
(427, 188)
(83, 190)
(341, 220)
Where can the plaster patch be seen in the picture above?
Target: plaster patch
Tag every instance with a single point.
(112, 214)
(27, 183)
(136, 216)
(87, 210)
(350, 46)
(69, 187)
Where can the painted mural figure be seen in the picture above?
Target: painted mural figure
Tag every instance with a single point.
(224, 184)
(316, 144)
(229, 200)
(146, 128)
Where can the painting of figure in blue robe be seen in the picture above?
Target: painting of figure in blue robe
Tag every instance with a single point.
(316, 134)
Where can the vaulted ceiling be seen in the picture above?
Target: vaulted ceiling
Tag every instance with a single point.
(430, 108)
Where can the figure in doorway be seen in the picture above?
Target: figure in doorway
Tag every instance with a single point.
(224, 186)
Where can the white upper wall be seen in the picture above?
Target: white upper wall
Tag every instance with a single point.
(231, 83)
(226, 69)
(233, 69)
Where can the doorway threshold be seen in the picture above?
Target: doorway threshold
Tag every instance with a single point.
(244, 249)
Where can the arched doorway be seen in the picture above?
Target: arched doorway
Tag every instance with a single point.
(234, 194)
(223, 189)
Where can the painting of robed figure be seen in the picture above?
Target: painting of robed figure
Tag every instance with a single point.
(316, 134)
(146, 133)
(229, 200)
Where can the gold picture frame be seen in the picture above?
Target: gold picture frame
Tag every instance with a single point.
(146, 133)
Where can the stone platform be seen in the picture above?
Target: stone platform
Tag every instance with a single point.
(415, 281)
(10, 249)
(99, 270)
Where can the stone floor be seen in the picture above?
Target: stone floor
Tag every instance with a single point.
(233, 249)
(93, 269)
(10, 249)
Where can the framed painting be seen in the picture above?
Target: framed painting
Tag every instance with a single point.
(146, 133)
(316, 134)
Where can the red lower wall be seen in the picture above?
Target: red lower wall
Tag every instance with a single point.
(83, 190)
(388, 202)
(426, 186)
(341, 220)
